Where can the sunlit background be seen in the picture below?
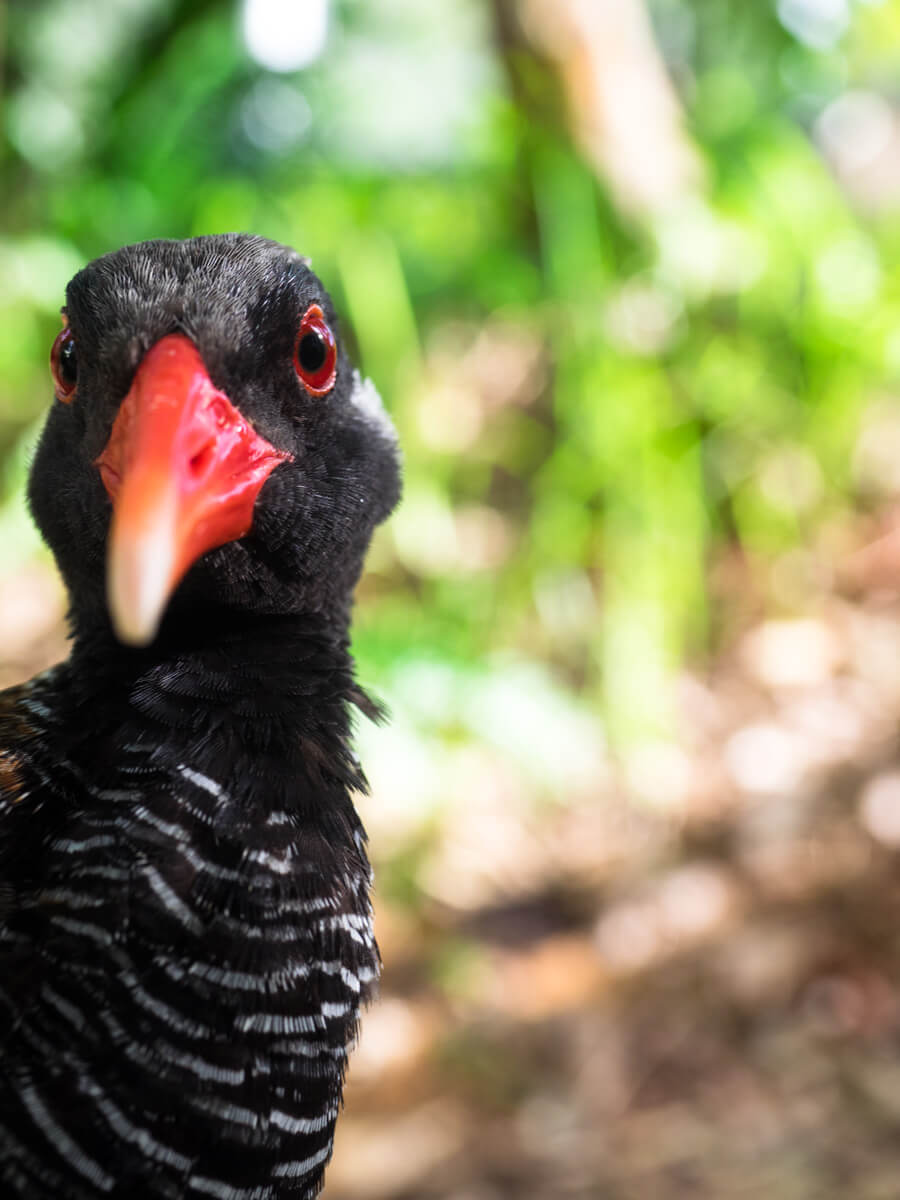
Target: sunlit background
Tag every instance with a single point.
(626, 273)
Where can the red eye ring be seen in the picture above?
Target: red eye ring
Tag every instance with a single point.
(315, 353)
(63, 365)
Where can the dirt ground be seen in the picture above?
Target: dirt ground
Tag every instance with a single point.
(694, 994)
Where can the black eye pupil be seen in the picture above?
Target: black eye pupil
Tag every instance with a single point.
(312, 352)
(68, 362)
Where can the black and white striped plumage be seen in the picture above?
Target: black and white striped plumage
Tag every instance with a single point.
(185, 926)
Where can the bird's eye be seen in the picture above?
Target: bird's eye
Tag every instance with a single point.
(315, 353)
(64, 365)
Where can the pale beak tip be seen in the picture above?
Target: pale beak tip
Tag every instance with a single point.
(138, 585)
(131, 632)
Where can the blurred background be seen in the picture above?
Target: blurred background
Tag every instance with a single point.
(626, 273)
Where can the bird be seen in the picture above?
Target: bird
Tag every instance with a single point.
(186, 926)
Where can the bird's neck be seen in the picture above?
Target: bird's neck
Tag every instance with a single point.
(251, 685)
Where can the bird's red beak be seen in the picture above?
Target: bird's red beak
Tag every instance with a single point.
(183, 469)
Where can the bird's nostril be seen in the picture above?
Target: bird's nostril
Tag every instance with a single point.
(200, 460)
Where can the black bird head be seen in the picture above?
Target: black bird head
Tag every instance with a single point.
(210, 448)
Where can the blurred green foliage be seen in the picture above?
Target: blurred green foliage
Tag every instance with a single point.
(595, 408)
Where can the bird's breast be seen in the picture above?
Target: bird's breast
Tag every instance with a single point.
(180, 993)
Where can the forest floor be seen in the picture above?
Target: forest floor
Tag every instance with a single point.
(694, 994)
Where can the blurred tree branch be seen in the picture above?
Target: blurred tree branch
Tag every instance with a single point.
(622, 108)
